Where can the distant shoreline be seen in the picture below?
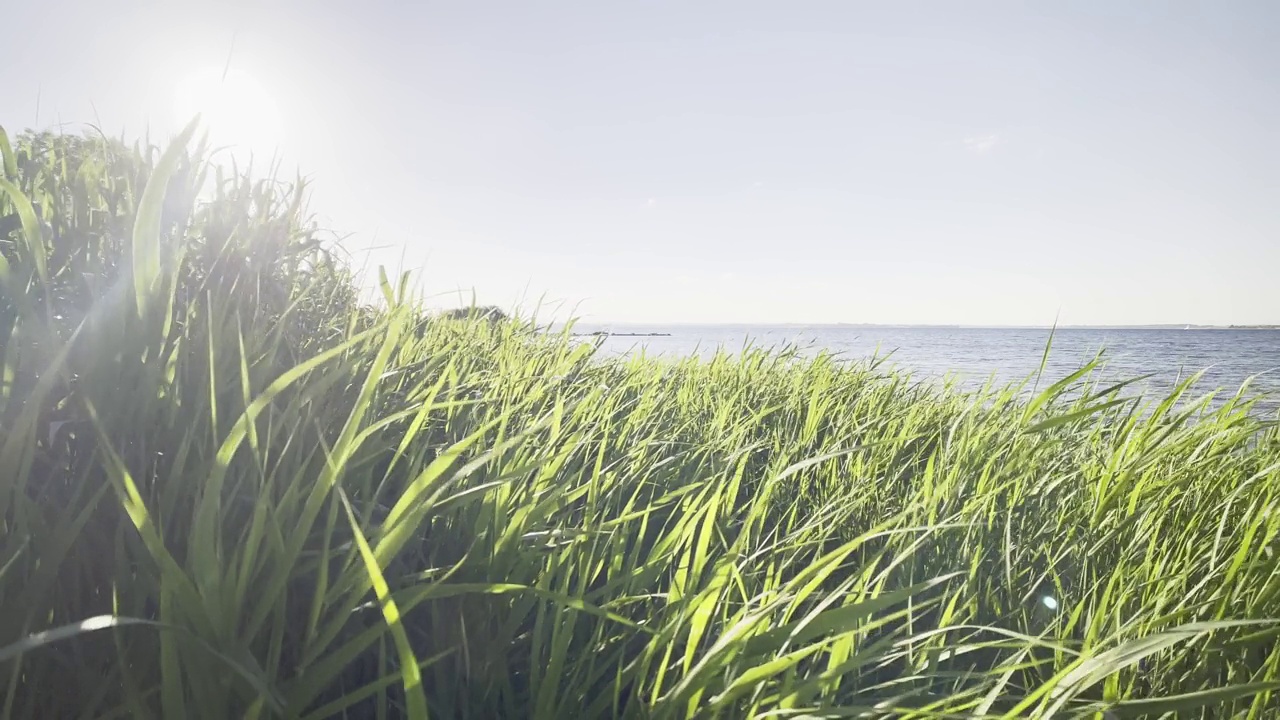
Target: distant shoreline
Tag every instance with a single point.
(875, 326)
(603, 333)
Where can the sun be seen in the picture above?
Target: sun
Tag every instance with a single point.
(236, 110)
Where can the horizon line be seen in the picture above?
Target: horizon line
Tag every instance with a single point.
(976, 326)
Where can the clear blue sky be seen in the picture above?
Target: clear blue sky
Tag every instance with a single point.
(977, 162)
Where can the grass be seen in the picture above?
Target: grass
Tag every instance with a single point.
(229, 489)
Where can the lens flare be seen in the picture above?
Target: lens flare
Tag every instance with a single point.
(235, 109)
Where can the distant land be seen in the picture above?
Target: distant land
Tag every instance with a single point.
(1174, 327)
(870, 326)
(606, 333)
(1070, 327)
(1076, 327)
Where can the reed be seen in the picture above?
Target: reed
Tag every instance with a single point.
(230, 489)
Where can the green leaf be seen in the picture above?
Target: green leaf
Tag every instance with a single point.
(75, 630)
(145, 249)
(414, 694)
(1068, 418)
(1186, 704)
(31, 235)
(10, 165)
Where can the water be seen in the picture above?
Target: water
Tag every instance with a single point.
(974, 355)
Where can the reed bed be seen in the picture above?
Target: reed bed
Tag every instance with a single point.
(230, 488)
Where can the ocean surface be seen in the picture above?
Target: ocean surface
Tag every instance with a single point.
(975, 355)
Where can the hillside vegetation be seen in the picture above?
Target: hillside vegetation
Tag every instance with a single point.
(230, 489)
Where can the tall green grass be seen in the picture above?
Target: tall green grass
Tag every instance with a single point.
(228, 489)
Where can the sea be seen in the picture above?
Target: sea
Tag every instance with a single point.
(1227, 358)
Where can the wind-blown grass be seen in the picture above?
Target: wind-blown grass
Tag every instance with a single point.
(228, 489)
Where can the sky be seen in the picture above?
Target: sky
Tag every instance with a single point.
(992, 163)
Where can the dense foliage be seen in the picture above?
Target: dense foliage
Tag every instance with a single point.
(228, 489)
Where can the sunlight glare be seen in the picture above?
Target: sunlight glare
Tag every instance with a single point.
(235, 109)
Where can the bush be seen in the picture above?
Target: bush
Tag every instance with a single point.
(486, 312)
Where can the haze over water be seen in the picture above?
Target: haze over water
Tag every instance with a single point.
(1227, 357)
